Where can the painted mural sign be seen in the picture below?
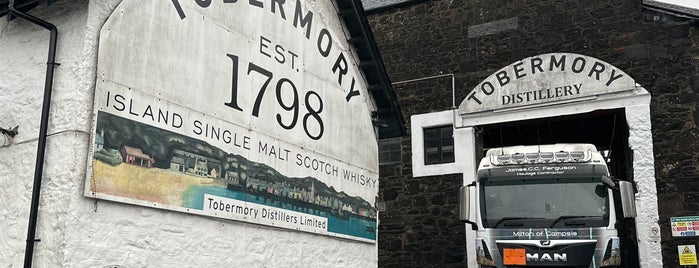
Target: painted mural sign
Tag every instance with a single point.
(546, 78)
(253, 111)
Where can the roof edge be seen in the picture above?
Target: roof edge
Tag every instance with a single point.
(394, 122)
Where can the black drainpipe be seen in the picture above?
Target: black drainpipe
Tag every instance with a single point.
(41, 148)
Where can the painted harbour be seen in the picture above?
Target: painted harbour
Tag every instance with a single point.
(141, 162)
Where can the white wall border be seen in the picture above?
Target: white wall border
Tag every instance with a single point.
(417, 125)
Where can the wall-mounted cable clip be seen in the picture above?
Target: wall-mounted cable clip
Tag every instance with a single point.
(7, 135)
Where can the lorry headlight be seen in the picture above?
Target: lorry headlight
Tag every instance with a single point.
(483, 253)
(612, 255)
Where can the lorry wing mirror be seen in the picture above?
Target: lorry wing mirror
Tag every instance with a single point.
(464, 203)
(465, 206)
(608, 181)
(628, 200)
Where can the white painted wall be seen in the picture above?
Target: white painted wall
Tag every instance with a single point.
(76, 231)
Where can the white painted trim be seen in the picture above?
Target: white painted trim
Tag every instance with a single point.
(417, 125)
(640, 98)
(470, 161)
(641, 143)
(513, 85)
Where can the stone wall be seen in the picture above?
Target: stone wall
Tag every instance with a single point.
(475, 38)
(420, 227)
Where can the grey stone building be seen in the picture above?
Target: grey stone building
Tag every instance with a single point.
(430, 47)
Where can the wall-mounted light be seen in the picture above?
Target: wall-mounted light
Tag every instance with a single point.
(7, 135)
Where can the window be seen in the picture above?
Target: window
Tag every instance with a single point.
(389, 151)
(460, 136)
(439, 145)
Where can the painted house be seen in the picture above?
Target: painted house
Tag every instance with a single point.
(99, 141)
(188, 162)
(177, 163)
(135, 156)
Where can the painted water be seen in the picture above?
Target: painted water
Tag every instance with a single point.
(352, 226)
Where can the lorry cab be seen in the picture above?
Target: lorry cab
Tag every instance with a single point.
(544, 206)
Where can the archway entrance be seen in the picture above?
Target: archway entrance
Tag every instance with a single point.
(569, 98)
(557, 98)
(606, 129)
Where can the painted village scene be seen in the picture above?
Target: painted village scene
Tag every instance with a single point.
(138, 161)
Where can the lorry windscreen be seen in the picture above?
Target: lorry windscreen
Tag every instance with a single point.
(544, 203)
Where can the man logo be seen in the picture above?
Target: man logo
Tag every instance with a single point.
(562, 257)
(545, 242)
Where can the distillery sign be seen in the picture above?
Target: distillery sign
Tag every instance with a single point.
(545, 78)
(253, 111)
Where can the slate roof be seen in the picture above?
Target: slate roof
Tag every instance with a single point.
(388, 115)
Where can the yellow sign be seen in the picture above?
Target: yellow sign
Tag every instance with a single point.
(688, 255)
(686, 250)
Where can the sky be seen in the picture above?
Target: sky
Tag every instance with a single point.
(685, 3)
(371, 4)
(691, 4)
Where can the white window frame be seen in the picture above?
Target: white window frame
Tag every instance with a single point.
(439, 119)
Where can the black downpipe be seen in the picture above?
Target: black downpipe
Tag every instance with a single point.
(41, 148)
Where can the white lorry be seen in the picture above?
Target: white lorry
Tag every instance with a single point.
(544, 206)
